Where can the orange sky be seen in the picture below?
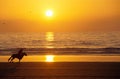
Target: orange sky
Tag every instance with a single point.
(68, 15)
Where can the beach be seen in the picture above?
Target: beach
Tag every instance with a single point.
(60, 70)
(62, 67)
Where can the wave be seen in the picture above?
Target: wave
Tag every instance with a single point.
(63, 51)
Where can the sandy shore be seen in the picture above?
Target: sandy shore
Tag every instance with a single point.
(60, 70)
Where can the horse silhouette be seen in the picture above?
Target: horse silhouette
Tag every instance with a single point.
(18, 56)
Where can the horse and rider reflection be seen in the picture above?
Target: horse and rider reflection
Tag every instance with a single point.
(19, 55)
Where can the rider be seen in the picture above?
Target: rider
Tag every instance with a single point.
(20, 51)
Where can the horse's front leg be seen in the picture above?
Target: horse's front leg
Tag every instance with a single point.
(9, 59)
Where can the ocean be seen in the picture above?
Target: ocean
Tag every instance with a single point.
(63, 43)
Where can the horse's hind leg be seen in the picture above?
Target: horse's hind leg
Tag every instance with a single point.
(12, 59)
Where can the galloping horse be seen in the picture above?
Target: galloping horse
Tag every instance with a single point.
(18, 56)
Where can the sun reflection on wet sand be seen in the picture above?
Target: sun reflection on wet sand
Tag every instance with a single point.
(50, 58)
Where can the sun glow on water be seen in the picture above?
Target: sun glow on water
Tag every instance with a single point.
(49, 37)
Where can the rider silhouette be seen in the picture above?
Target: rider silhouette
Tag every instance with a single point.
(20, 51)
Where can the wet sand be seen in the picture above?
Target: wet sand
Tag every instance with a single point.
(66, 58)
(60, 70)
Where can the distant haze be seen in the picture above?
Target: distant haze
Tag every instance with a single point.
(68, 15)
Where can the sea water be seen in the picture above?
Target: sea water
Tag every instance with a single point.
(66, 42)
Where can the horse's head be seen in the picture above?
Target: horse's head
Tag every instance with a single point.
(24, 54)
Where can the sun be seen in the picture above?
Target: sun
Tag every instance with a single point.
(49, 58)
(49, 13)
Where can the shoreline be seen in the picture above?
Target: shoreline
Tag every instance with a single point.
(66, 58)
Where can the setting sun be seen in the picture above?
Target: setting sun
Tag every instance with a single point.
(49, 58)
(49, 13)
